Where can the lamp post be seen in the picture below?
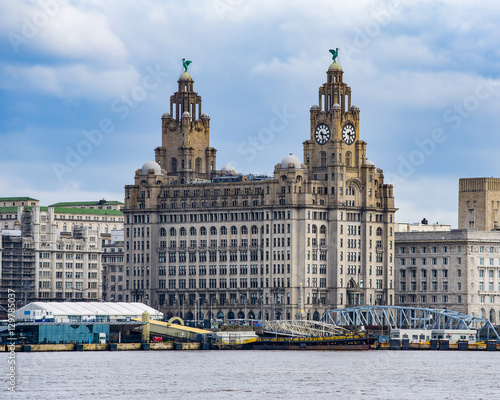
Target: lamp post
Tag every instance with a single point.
(183, 302)
(196, 308)
(261, 308)
(282, 300)
(245, 296)
(211, 314)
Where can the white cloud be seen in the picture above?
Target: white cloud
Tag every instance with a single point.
(66, 30)
(69, 81)
(431, 197)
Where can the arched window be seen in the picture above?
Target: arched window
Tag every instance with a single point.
(234, 231)
(322, 230)
(241, 315)
(163, 232)
(173, 232)
(323, 159)
(348, 157)
(203, 231)
(213, 230)
(254, 230)
(223, 230)
(244, 230)
(198, 165)
(192, 231)
(230, 315)
(314, 229)
(379, 231)
(174, 165)
(183, 231)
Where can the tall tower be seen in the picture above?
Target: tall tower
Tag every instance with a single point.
(360, 206)
(478, 204)
(185, 151)
(334, 132)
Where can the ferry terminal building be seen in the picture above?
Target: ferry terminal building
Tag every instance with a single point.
(204, 243)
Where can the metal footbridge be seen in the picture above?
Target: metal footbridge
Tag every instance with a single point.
(300, 328)
(397, 317)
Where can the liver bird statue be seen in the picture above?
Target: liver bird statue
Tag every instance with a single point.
(185, 64)
(335, 53)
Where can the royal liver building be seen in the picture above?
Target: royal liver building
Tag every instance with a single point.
(318, 235)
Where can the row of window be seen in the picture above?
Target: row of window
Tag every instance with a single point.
(221, 283)
(424, 299)
(446, 249)
(423, 261)
(412, 273)
(423, 286)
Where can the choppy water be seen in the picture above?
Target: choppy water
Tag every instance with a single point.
(255, 375)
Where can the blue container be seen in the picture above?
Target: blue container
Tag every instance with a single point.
(463, 345)
(444, 345)
(395, 344)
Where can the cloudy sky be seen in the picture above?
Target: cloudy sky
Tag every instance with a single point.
(83, 85)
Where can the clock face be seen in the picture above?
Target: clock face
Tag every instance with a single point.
(322, 134)
(349, 133)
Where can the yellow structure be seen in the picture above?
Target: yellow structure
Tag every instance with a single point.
(146, 327)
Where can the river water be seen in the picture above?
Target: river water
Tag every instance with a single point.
(255, 375)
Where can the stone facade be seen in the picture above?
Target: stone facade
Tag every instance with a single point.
(478, 203)
(316, 235)
(457, 270)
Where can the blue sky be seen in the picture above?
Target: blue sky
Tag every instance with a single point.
(83, 85)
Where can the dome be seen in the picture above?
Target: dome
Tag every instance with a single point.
(150, 165)
(228, 169)
(314, 108)
(355, 108)
(165, 116)
(186, 114)
(291, 159)
(336, 106)
(334, 66)
(204, 116)
(369, 162)
(185, 76)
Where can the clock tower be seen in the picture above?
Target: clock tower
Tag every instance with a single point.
(360, 205)
(334, 139)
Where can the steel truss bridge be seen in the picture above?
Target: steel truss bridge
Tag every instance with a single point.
(300, 328)
(408, 318)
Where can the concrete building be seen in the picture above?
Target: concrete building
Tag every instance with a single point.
(53, 253)
(113, 269)
(318, 234)
(478, 203)
(457, 270)
(18, 201)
